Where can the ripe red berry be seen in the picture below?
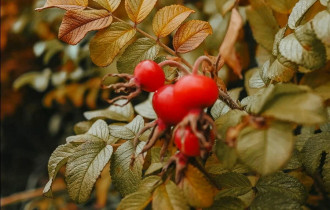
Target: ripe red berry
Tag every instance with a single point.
(167, 107)
(196, 91)
(188, 143)
(149, 75)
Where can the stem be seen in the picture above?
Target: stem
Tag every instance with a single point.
(199, 61)
(174, 64)
(27, 195)
(169, 50)
(228, 100)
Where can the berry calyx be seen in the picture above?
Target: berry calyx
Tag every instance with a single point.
(196, 91)
(167, 106)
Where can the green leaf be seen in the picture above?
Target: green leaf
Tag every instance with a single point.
(303, 48)
(84, 167)
(145, 108)
(82, 127)
(128, 131)
(283, 184)
(169, 196)
(150, 183)
(279, 72)
(214, 167)
(98, 131)
(298, 12)
(226, 155)
(125, 113)
(227, 203)
(156, 162)
(294, 161)
(125, 178)
(141, 49)
(278, 37)
(220, 108)
(266, 150)
(288, 102)
(321, 26)
(271, 200)
(135, 201)
(37, 80)
(58, 158)
(230, 119)
(326, 173)
(263, 24)
(196, 188)
(232, 184)
(313, 149)
(107, 43)
(282, 6)
(256, 81)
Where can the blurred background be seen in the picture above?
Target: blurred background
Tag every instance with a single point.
(46, 85)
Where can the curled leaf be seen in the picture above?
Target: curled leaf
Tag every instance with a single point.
(65, 4)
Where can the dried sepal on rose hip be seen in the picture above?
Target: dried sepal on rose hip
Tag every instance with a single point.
(148, 76)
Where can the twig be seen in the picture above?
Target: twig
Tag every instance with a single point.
(27, 195)
(223, 96)
(169, 50)
(199, 61)
(174, 64)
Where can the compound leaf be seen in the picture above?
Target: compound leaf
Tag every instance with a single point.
(77, 23)
(169, 18)
(128, 131)
(107, 43)
(141, 49)
(190, 35)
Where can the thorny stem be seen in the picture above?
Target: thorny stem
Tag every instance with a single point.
(199, 61)
(174, 64)
(202, 169)
(223, 96)
(169, 50)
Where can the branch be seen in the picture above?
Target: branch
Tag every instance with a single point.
(174, 64)
(27, 195)
(166, 48)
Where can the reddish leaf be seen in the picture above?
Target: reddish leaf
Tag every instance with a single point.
(77, 23)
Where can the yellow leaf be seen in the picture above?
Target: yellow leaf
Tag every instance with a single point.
(190, 35)
(102, 186)
(65, 4)
(107, 43)
(77, 23)
(197, 190)
(137, 10)
(110, 5)
(169, 18)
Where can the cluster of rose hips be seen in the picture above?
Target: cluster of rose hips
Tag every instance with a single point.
(180, 105)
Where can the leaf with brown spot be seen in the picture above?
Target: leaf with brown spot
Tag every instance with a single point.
(137, 10)
(65, 4)
(77, 23)
(169, 18)
(190, 35)
(107, 43)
